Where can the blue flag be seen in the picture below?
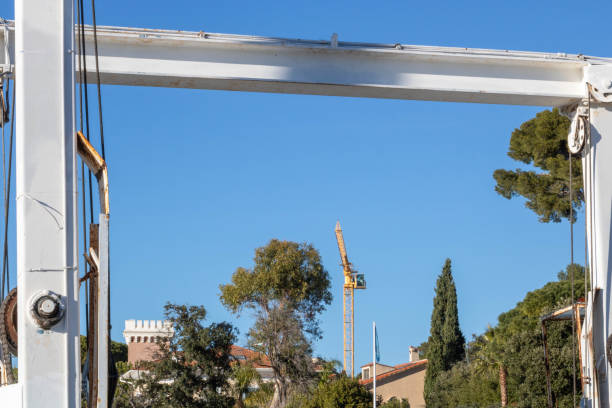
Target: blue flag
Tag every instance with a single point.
(377, 347)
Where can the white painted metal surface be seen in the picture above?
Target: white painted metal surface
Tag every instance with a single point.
(586, 350)
(49, 362)
(130, 56)
(11, 396)
(598, 190)
(103, 308)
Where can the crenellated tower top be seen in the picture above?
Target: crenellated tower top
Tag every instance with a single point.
(146, 331)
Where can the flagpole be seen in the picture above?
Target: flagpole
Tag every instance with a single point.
(374, 361)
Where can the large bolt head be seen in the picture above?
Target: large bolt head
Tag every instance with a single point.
(46, 309)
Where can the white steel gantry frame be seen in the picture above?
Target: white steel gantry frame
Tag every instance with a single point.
(39, 50)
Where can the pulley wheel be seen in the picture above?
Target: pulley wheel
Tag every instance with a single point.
(8, 322)
(577, 135)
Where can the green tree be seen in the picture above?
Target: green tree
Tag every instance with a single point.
(192, 368)
(119, 351)
(336, 391)
(119, 355)
(445, 345)
(542, 142)
(287, 288)
(465, 386)
(243, 378)
(395, 403)
(516, 343)
(521, 333)
(489, 358)
(422, 348)
(261, 397)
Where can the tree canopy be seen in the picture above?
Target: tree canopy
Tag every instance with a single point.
(445, 345)
(516, 343)
(339, 392)
(192, 367)
(333, 390)
(286, 288)
(244, 376)
(396, 403)
(542, 143)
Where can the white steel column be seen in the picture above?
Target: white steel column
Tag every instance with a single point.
(598, 189)
(49, 364)
(103, 309)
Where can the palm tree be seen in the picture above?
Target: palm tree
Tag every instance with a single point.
(261, 397)
(489, 356)
(244, 377)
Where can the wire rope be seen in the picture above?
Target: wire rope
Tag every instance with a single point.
(587, 262)
(86, 98)
(571, 176)
(83, 197)
(5, 257)
(4, 145)
(85, 104)
(2, 123)
(101, 126)
(95, 33)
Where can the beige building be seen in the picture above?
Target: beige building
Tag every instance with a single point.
(400, 381)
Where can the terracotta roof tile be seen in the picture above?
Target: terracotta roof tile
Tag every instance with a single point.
(242, 355)
(398, 369)
(370, 364)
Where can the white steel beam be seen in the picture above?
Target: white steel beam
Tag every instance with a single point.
(49, 363)
(179, 59)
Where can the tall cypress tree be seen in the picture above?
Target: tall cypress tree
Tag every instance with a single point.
(446, 342)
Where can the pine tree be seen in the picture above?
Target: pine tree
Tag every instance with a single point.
(542, 143)
(446, 343)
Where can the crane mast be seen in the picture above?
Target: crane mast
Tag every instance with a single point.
(352, 281)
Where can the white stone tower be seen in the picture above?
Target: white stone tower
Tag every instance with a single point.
(142, 338)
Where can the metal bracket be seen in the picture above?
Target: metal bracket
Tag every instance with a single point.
(599, 80)
(7, 66)
(4, 101)
(579, 114)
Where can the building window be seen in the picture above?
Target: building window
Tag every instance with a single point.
(366, 373)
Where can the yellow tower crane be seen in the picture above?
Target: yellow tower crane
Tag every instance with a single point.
(352, 281)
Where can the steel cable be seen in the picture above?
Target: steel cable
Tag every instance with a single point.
(571, 176)
(101, 125)
(86, 98)
(95, 33)
(5, 257)
(3, 163)
(80, 7)
(83, 197)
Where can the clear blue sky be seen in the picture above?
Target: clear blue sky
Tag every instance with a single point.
(201, 178)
